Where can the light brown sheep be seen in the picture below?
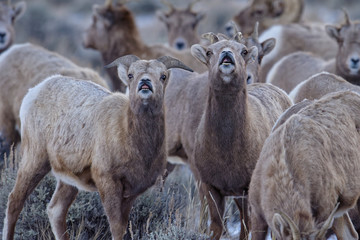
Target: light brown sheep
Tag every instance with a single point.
(296, 67)
(307, 176)
(23, 66)
(94, 140)
(181, 25)
(8, 16)
(113, 32)
(235, 120)
(268, 13)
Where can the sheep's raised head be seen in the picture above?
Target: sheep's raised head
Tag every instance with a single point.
(348, 38)
(146, 79)
(181, 25)
(108, 21)
(226, 59)
(8, 15)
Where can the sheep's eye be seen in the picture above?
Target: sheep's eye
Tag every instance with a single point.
(244, 52)
(163, 77)
(208, 53)
(130, 76)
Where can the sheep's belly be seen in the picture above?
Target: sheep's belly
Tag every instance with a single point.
(82, 181)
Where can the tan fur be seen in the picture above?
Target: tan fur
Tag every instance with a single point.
(114, 33)
(268, 13)
(8, 16)
(296, 67)
(93, 140)
(22, 67)
(307, 165)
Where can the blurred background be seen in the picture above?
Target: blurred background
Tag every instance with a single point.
(58, 25)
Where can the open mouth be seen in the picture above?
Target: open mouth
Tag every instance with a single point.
(227, 59)
(145, 86)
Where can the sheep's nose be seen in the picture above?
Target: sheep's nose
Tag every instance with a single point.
(180, 45)
(2, 37)
(355, 60)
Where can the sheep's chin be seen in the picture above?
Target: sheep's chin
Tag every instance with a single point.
(145, 94)
(227, 68)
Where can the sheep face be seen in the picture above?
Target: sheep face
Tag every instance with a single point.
(8, 16)
(107, 21)
(348, 58)
(226, 61)
(182, 27)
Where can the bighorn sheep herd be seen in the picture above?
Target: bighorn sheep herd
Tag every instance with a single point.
(286, 149)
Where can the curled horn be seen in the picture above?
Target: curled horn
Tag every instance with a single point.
(327, 223)
(166, 3)
(238, 37)
(108, 3)
(255, 34)
(347, 18)
(126, 60)
(211, 37)
(191, 5)
(171, 62)
(294, 229)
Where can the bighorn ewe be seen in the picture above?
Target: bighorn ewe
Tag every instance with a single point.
(23, 66)
(8, 15)
(113, 33)
(234, 123)
(93, 140)
(296, 67)
(181, 25)
(308, 175)
(268, 13)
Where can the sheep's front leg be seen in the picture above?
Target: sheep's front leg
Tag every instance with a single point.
(259, 226)
(344, 229)
(117, 208)
(58, 207)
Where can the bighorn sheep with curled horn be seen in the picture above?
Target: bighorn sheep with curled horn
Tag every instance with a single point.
(23, 66)
(104, 142)
(235, 121)
(8, 15)
(298, 66)
(308, 176)
(181, 25)
(113, 33)
(268, 13)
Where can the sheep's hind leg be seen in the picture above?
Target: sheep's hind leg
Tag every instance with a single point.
(58, 207)
(30, 173)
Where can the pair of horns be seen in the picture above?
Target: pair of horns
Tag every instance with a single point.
(172, 8)
(168, 61)
(213, 38)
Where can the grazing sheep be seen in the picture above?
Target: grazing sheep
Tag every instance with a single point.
(114, 33)
(8, 15)
(94, 140)
(234, 122)
(268, 13)
(319, 85)
(308, 173)
(181, 25)
(23, 66)
(298, 66)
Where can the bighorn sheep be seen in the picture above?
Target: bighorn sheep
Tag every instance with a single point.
(94, 140)
(268, 13)
(23, 66)
(181, 25)
(229, 136)
(296, 67)
(319, 85)
(113, 33)
(308, 176)
(8, 15)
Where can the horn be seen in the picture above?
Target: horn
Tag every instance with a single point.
(255, 34)
(238, 37)
(126, 60)
(191, 5)
(347, 18)
(222, 36)
(294, 229)
(327, 223)
(166, 3)
(171, 62)
(211, 37)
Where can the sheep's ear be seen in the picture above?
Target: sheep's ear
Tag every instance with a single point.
(199, 52)
(279, 225)
(199, 17)
(268, 45)
(333, 32)
(162, 16)
(123, 64)
(252, 55)
(19, 10)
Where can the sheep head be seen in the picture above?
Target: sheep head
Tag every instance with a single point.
(181, 25)
(146, 79)
(226, 59)
(8, 15)
(348, 57)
